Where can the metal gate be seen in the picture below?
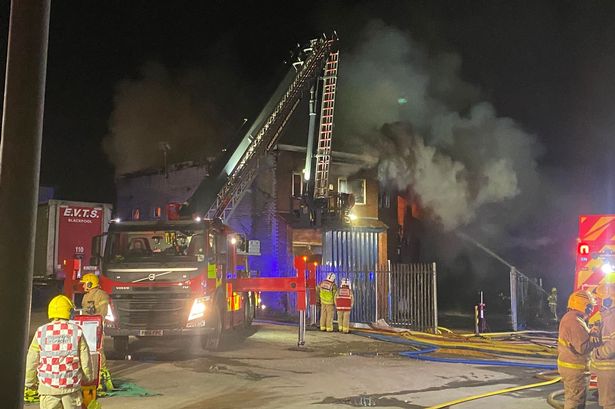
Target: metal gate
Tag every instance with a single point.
(528, 303)
(405, 295)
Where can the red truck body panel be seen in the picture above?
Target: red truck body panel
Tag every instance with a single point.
(595, 249)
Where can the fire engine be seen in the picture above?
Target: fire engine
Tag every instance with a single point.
(187, 276)
(595, 250)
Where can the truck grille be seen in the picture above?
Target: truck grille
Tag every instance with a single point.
(152, 311)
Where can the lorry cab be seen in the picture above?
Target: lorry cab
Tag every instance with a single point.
(168, 278)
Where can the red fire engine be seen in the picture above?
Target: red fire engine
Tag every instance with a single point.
(187, 277)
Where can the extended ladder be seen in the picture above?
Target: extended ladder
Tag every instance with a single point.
(325, 130)
(243, 174)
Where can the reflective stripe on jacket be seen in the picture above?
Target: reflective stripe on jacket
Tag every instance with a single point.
(603, 357)
(326, 290)
(95, 302)
(573, 343)
(343, 299)
(59, 365)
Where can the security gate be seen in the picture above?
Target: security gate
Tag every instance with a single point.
(529, 307)
(405, 295)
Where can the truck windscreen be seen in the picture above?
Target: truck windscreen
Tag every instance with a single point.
(155, 246)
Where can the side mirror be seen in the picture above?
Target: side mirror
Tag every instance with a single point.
(95, 254)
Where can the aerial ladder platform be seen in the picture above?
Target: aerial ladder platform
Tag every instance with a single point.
(217, 197)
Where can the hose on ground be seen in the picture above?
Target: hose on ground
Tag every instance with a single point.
(422, 349)
(553, 401)
(498, 392)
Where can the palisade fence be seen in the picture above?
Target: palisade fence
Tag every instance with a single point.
(529, 307)
(405, 295)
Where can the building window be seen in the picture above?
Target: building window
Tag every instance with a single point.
(342, 185)
(157, 212)
(136, 214)
(385, 200)
(356, 187)
(297, 185)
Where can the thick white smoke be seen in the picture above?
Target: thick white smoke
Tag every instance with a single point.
(430, 129)
(160, 107)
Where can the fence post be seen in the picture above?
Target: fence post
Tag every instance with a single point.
(435, 298)
(513, 299)
(376, 279)
(390, 293)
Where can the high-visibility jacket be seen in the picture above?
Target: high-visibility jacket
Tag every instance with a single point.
(326, 290)
(603, 357)
(573, 342)
(59, 364)
(95, 302)
(344, 299)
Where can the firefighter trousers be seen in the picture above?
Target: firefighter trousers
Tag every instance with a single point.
(575, 387)
(343, 321)
(66, 401)
(606, 388)
(326, 317)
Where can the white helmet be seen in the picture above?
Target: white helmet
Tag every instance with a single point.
(331, 277)
(346, 282)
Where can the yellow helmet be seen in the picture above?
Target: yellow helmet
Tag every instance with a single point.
(606, 292)
(91, 280)
(581, 301)
(60, 307)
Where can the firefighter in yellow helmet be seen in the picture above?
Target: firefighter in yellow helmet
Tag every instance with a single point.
(574, 347)
(96, 302)
(326, 290)
(58, 359)
(603, 357)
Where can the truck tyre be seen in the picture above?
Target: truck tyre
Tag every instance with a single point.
(213, 341)
(120, 345)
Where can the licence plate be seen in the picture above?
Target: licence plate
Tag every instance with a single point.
(150, 332)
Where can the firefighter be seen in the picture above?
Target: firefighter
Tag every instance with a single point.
(58, 359)
(343, 304)
(553, 303)
(574, 347)
(96, 302)
(326, 290)
(603, 357)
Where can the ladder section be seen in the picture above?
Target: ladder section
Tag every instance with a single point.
(242, 176)
(325, 130)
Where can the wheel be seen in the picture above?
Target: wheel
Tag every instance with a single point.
(213, 341)
(120, 344)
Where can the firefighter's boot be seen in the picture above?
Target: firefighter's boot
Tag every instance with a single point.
(106, 384)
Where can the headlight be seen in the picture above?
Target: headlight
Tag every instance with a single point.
(198, 309)
(109, 317)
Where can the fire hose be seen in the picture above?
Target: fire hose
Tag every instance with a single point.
(425, 344)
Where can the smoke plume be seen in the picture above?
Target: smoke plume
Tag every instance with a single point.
(161, 107)
(431, 131)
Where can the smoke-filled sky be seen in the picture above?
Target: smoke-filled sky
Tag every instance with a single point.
(505, 133)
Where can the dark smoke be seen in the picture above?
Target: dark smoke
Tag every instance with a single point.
(161, 106)
(432, 131)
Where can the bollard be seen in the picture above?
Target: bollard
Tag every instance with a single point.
(476, 327)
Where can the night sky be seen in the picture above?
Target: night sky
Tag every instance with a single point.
(546, 64)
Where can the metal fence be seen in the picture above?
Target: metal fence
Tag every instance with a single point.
(405, 295)
(529, 308)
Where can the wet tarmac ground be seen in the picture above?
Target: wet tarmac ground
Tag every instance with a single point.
(262, 367)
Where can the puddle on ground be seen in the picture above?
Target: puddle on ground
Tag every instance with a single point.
(364, 401)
